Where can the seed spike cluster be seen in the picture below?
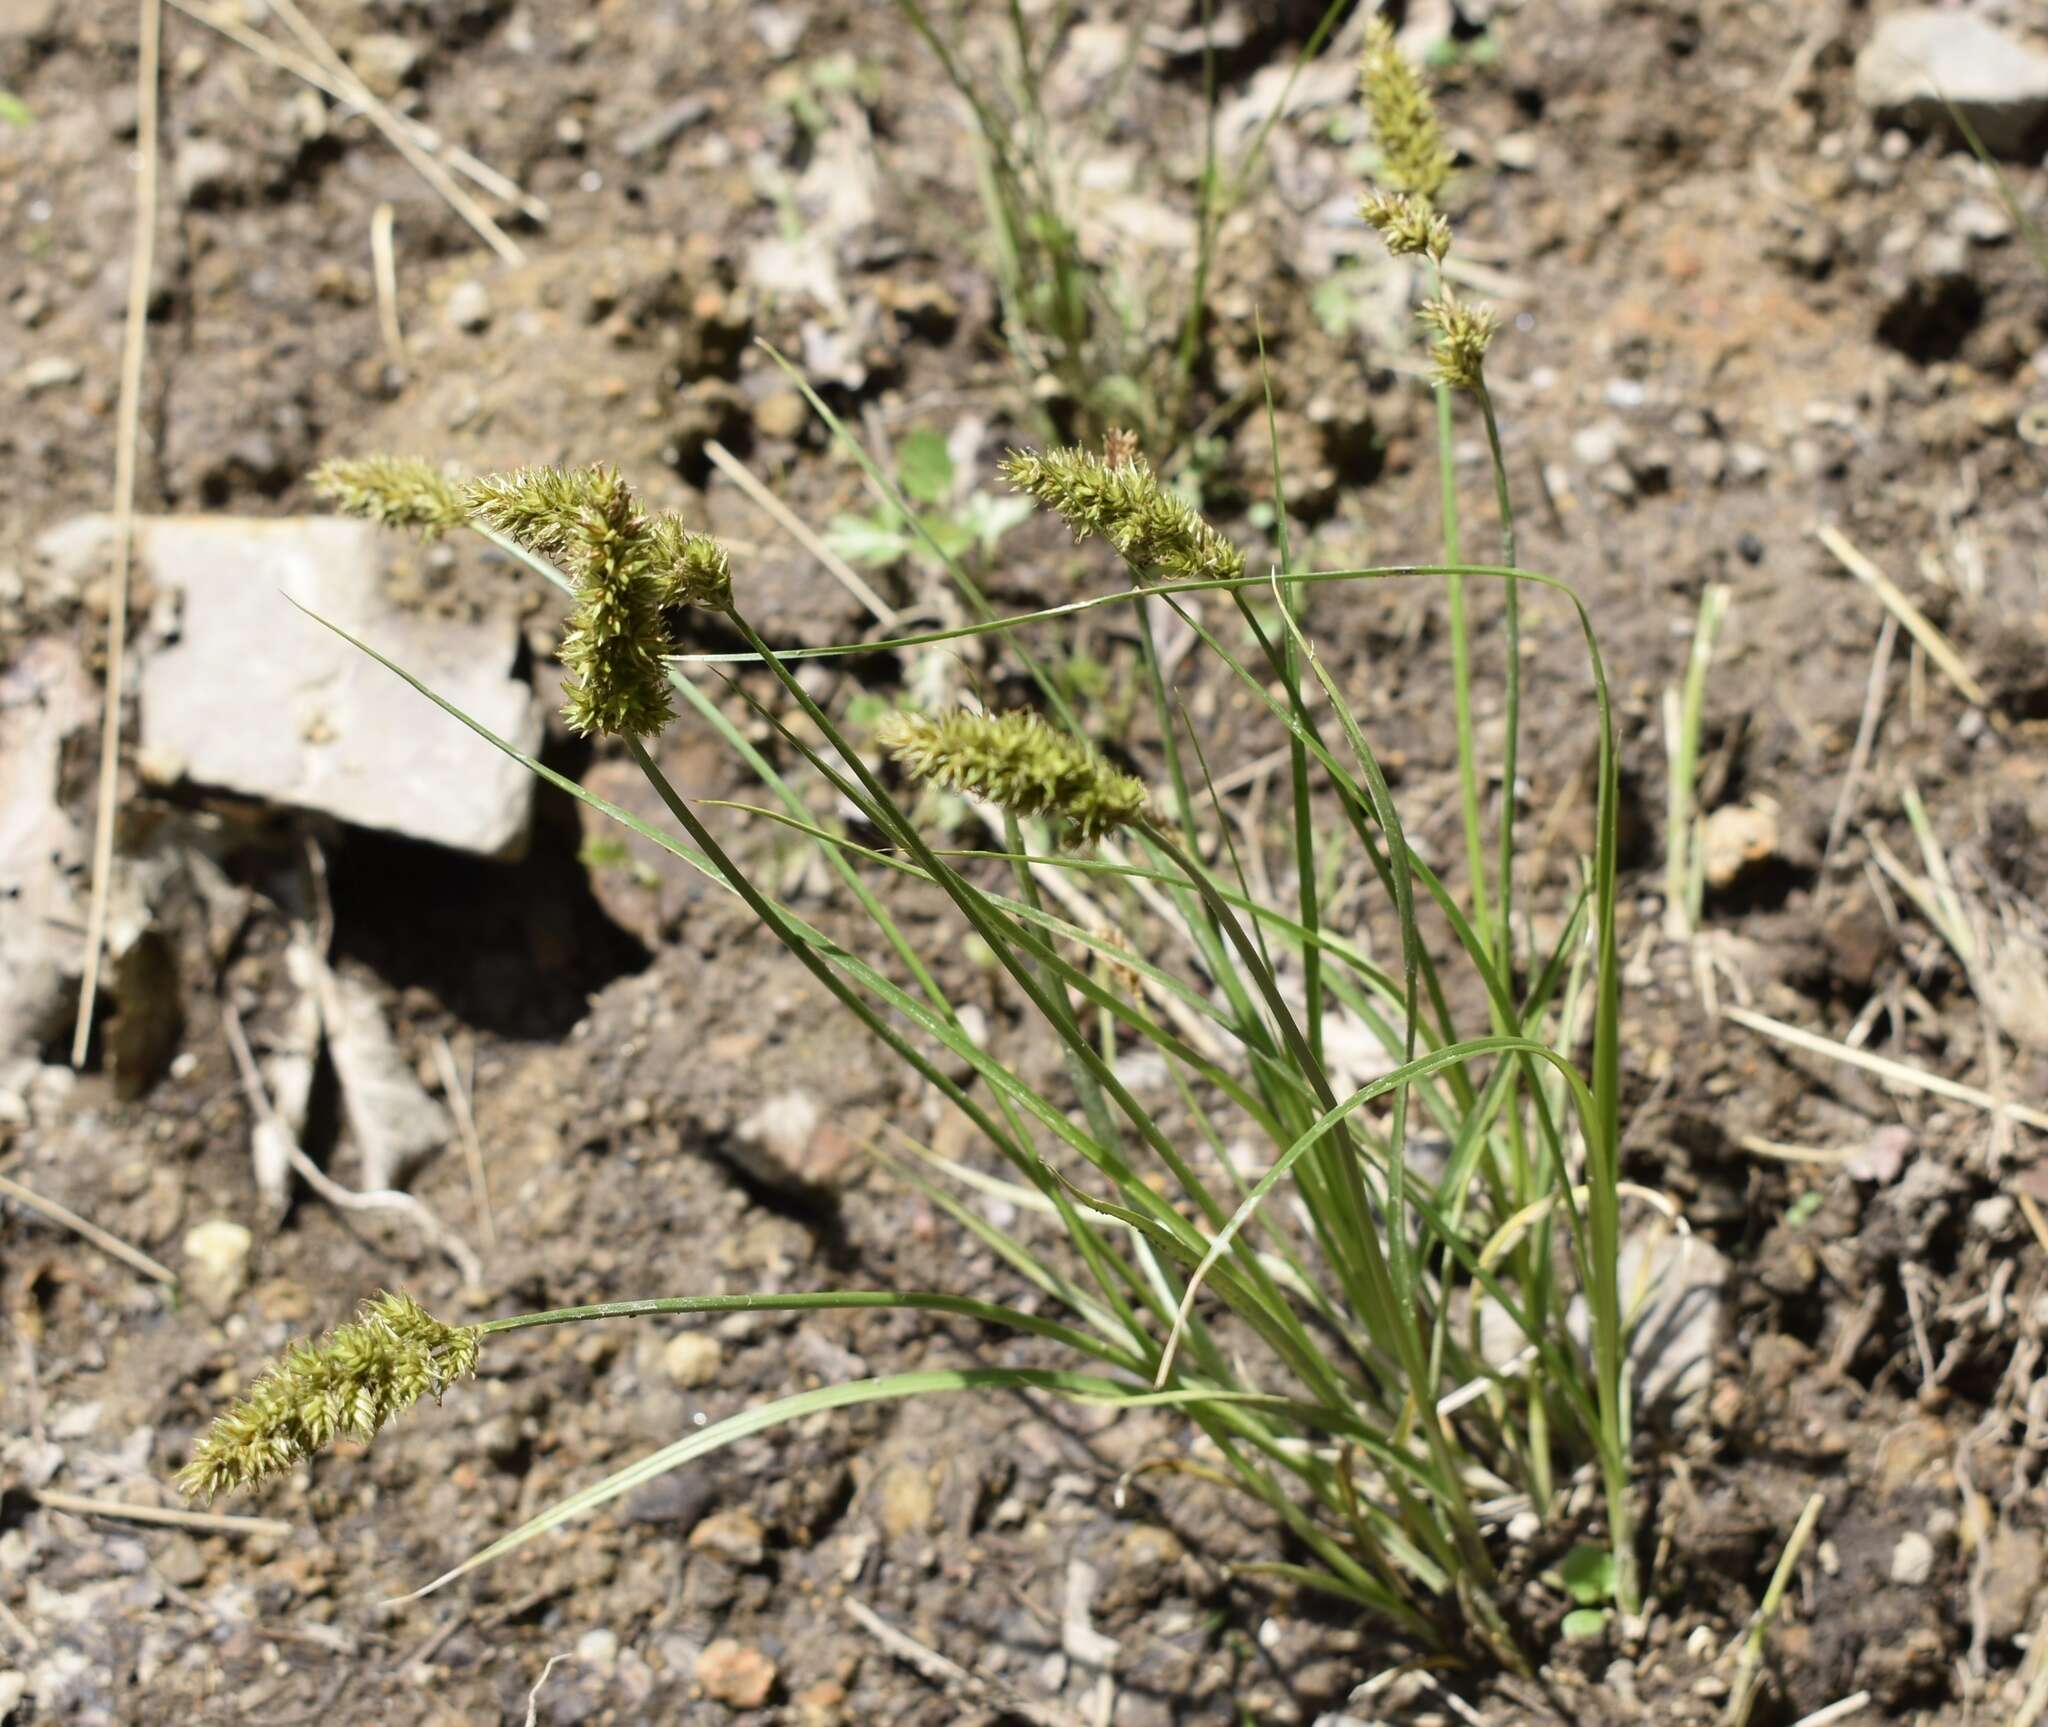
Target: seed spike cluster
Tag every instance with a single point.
(396, 491)
(1414, 165)
(628, 569)
(1019, 763)
(1461, 332)
(1413, 155)
(1407, 224)
(1118, 497)
(346, 1386)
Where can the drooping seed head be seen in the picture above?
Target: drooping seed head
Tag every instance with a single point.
(1119, 498)
(347, 1385)
(628, 570)
(1019, 763)
(396, 491)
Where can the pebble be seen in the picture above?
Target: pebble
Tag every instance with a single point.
(202, 169)
(1735, 838)
(598, 1648)
(1913, 1560)
(25, 21)
(51, 372)
(736, 1536)
(781, 414)
(1980, 220)
(469, 306)
(736, 1674)
(13, 1688)
(1595, 446)
(906, 1500)
(181, 1561)
(2014, 1560)
(384, 61)
(692, 1358)
(217, 1264)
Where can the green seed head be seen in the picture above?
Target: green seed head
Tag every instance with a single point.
(1019, 763)
(1407, 224)
(397, 491)
(1413, 155)
(1119, 498)
(345, 1386)
(629, 569)
(1461, 333)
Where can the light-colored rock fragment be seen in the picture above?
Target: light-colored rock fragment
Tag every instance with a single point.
(391, 1117)
(1735, 838)
(1920, 60)
(253, 696)
(44, 697)
(216, 1264)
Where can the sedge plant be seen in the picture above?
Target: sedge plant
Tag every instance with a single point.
(1368, 1342)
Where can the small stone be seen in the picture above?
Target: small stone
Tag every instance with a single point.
(469, 306)
(780, 27)
(598, 1649)
(202, 169)
(736, 1536)
(1912, 1559)
(13, 1688)
(1737, 837)
(787, 1144)
(692, 1358)
(906, 1500)
(1748, 461)
(736, 1674)
(820, 1705)
(1980, 221)
(51, 372)
(2014, 1561)
(25, 21)
(181, 1561)
(1517, 152)
(384, 61)
(217, 1264)
(781, 414)
(1595, 446)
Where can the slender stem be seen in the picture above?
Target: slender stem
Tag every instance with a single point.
(1461, 662)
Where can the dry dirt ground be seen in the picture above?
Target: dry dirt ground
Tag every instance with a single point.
(1738, 309)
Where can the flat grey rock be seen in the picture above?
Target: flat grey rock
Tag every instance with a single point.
(1921, 59)
(250, 695)
(44, 697)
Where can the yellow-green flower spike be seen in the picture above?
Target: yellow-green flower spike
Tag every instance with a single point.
(1413, 155)
(1462, 332)
(1119, 498)
(628, 570)
(694, 566)
(396, 491)
(1019, 763)
(544, 509)
(347, 1385)
(1407, 224)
